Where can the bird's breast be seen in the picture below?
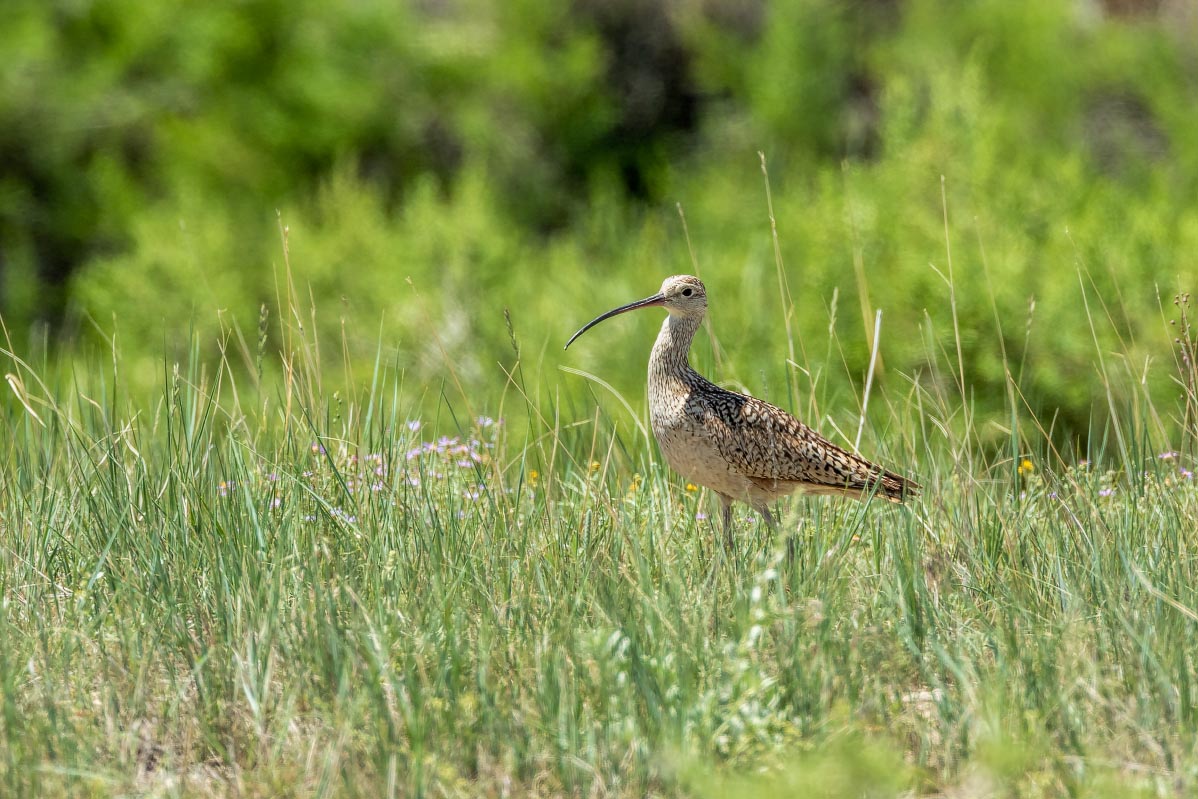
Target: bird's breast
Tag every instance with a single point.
(688, 446)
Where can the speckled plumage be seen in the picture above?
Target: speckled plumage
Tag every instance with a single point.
(740, 447)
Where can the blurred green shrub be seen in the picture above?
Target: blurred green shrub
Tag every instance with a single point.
(527, 155)
(114, 106)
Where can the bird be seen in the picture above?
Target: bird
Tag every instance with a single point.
(740, 447)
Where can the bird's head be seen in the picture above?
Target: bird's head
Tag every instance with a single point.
(682, 295)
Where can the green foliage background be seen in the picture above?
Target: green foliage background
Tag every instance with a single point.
(434, 164)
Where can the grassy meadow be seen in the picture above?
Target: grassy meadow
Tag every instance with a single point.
(305, 583)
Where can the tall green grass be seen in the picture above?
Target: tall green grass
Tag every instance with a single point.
(292, 580)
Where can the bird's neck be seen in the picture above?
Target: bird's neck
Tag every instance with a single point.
(672, 345)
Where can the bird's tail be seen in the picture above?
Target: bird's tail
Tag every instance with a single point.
(892, 487)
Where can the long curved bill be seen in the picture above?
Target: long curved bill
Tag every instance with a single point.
(656, 299)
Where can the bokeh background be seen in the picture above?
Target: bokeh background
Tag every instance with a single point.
(434, 163)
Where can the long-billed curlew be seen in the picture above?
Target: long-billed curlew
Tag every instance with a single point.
(738, 446)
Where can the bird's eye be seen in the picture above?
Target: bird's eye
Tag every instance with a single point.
(686, 292)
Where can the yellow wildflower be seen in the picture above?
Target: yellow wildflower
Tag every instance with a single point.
(1026, 466)
(594, 466)
(691, 487)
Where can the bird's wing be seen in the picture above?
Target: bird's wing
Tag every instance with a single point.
(765, 443)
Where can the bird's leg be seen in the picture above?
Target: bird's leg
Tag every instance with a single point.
(769, 519)
(764, 510)
(728, 542)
